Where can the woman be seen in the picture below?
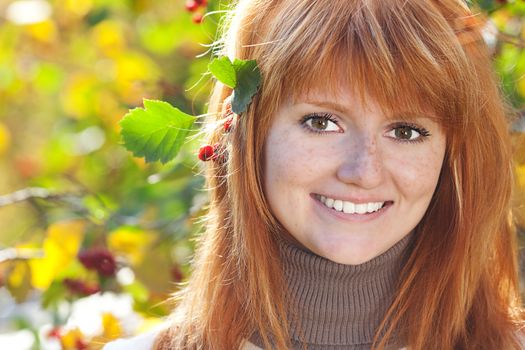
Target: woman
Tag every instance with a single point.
(364, 200)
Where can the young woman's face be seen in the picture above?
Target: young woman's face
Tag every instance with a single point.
(347, 181)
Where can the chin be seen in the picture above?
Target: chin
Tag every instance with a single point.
(353, 255)
(351, 259)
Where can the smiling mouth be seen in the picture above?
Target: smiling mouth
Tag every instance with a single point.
(348, 207)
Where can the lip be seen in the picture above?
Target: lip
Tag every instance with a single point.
(354, 200)
(320, 207)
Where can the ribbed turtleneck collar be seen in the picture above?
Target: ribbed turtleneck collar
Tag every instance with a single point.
(336, 306)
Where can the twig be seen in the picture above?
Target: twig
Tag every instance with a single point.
(511, 39)
(11, 254)
(25, 194)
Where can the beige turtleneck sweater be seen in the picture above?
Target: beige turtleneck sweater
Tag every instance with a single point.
(335, 306)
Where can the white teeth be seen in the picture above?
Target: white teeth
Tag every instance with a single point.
(360, 208)
(349, 207)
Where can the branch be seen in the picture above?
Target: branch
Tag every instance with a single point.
(511, 39)
(11, 254)
(30, 193)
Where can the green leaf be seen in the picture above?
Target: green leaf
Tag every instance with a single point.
(156, 132)
(53, 294)
(222, 69)
(248, 81)
(242, 75)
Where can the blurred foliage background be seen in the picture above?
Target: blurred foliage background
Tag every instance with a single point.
(92, 240)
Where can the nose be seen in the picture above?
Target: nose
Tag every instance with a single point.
(362, 165)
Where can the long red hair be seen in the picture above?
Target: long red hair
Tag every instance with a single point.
(459, 287)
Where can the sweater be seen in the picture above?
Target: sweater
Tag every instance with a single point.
(334, 306)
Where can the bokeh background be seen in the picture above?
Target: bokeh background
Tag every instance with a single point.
(92, 240)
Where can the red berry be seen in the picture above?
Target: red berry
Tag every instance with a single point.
(197, 18)
(192, 5)
(206, 153)
(80, 344)
(228, 124)
(176, 273)
(80, 287)
(55, 332)
(99, 259)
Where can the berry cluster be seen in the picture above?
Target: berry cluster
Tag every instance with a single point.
(194, 7)
(216, 151)
(100, 260)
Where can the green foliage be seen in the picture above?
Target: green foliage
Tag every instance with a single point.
(156, 132)
(222, 69)
(242, 75)
(248, 81)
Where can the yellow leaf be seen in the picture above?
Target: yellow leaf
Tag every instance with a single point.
(16, 277)
(60, 249)
(134, 66)
(131, 243)
(79, 95)
(521, 86)
(111, 327)
(78, 7)
(18, 281)
(44, 31)
(501, 19)
(136, 75)
(5, 139)
(519, 195)
(108, 36)
(520, 175)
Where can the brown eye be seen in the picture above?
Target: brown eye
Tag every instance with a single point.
(320, 123)
(405, 133)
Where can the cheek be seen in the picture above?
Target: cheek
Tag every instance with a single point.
(417, 172)
(290, 160)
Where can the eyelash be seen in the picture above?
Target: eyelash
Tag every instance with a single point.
(323, 116)
(424, 133)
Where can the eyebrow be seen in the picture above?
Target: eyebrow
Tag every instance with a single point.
(402, 115)
(330, 105)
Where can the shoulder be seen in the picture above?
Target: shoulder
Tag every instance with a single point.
(143, 341)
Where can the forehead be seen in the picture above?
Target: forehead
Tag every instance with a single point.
(348, 100)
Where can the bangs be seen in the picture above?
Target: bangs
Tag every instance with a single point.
(404, 55)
